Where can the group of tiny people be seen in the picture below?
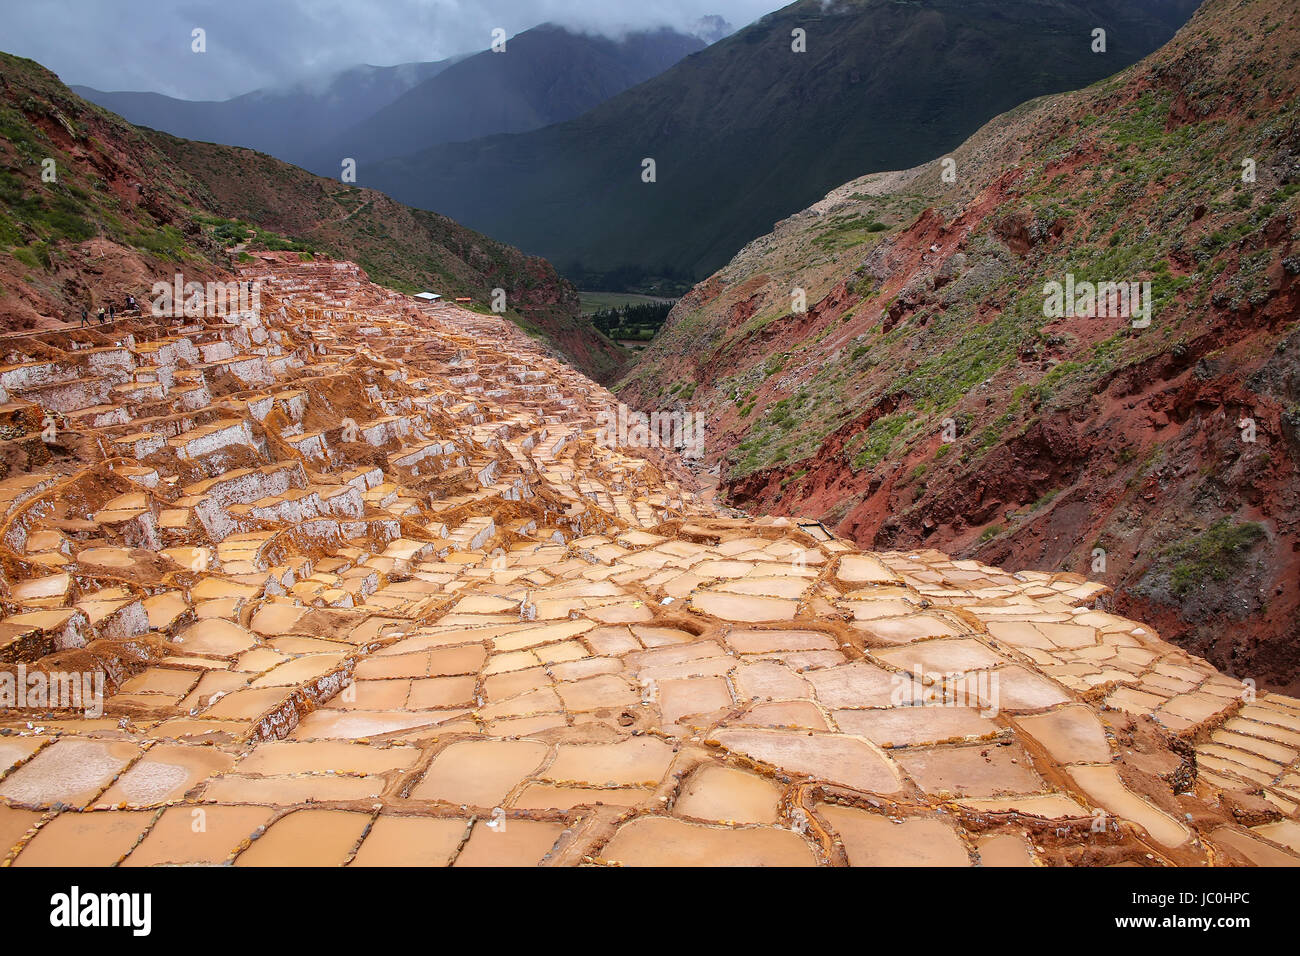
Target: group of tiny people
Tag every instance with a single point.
(109, 314)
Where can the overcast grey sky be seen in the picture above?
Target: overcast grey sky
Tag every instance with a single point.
(146, 44)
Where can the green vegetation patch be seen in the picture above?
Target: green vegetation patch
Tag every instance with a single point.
(869, 448)
(166, 242)
(634, 321)
(1214, 555)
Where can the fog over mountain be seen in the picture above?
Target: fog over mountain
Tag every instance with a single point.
(252, 44)
(551, 74)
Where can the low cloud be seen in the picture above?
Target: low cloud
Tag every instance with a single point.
(146, 44)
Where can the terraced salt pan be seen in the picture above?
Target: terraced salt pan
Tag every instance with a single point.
(735, 607)
(725, 795)
(411, 841)
(1072, 734)
(842, 760)
(216, 637)
(903, 630)
(480, 773)
(660, 841)
(292, 790)
(785, 713)
(166, 772)
(342, 725)
(908, 726)
(763, 641)
(70, 771)
(1103, 785)
(871, 839)
(972, 770)
(206, 835)
(864, 569)
(940, 657)
(635, 761)
(517, 843)
(286, 757)
(307, 838)
(85, 839)
(563, 631)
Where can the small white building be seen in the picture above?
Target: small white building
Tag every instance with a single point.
(428, 296)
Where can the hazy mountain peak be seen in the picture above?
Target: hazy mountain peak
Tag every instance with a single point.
(712, 28)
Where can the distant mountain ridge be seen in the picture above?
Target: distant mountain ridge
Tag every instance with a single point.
(545, 75)
(283, 123)
(747, 131)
